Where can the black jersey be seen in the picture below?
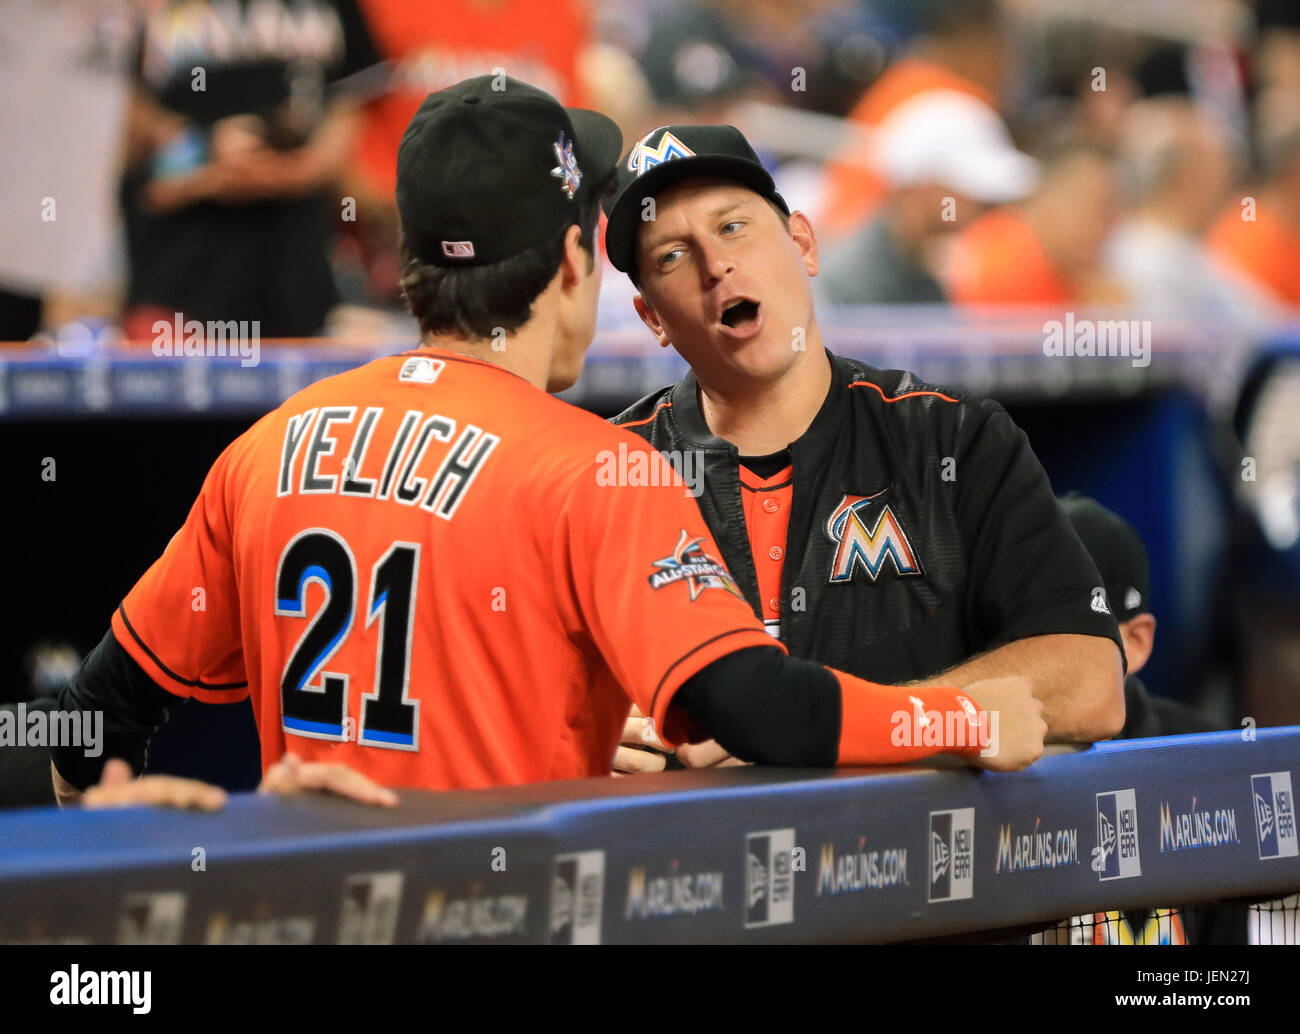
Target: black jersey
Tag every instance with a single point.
(923, 529)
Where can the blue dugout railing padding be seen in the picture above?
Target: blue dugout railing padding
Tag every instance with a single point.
(741, 854)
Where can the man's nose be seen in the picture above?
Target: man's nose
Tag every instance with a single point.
(715, 264)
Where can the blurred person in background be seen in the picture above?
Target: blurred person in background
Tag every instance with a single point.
(701, 57)
(1121, 558)
(1178, 168)
(64, 77)
(429, 47)
(243, 118)
(1258, 234)
(960, 49)
(942, 165)
(1047, 250)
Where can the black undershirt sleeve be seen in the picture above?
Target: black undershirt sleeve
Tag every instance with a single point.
(133, 706)
(765, 706)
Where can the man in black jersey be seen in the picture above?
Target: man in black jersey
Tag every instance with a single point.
(892, 529)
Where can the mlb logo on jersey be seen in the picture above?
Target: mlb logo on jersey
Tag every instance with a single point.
(862, 541)
(421, 370)
(1274, 815)
(645, 156)
(1116, 855)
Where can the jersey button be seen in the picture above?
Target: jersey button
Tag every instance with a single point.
(774, 605)
(776, 552)
(771, 505)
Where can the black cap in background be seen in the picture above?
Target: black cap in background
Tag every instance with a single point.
(667, 155)
(492, 166)
(1118, 552)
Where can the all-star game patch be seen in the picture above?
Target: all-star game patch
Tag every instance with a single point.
(690, 564)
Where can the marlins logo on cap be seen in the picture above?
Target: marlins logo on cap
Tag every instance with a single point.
(644, 157)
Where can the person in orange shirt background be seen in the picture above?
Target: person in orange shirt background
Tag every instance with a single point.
(429, 47)
(1046, 250)
(1261, 238)
(960, 50)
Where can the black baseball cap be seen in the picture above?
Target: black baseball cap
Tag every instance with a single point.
(492, 166)
(664, 157)
(1118, 552)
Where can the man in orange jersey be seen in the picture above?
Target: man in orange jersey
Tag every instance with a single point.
(421, 569)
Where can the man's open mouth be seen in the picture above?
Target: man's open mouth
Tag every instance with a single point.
(740, 313)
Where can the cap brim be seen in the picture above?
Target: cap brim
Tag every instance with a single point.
(600, 142)
(625, 210)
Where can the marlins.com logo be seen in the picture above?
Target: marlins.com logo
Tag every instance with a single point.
(690, 564)
(868, 546)
(645, 157)
(1116, 855)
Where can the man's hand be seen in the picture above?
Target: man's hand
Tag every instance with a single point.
(630, 759)
(292, 775)
(1020, 725)
(639, 732)
(709, 754)
(118, 788)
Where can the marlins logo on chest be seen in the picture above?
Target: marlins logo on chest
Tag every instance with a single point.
(863, 541)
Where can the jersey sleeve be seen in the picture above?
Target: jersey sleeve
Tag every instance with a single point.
(1030, 575)
(180, 622)
(647, 580)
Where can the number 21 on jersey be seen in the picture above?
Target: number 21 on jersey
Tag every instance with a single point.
(313, 701)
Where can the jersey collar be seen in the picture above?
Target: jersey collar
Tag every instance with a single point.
(690, 420)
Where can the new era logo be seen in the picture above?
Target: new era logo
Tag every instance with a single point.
(1274, 815)
(458, 249)
(577, 897)
(769, 878)
(952, 854)
(1116, 855)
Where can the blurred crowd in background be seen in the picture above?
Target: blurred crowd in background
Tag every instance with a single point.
(235, 159)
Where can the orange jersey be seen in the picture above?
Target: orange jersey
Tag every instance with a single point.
(430, 47)
(430, 570)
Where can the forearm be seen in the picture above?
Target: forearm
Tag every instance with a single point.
(125, 706)
(322, 160)
(1079, 679)
(765, 706)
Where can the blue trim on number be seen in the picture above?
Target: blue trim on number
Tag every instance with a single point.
(380, 600)
(388, 737)
(325, 728)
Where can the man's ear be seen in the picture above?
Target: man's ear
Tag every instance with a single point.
(651, 319)
(805, 240)
(575, 263)
(1139, 635)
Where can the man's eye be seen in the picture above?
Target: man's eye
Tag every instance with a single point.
(734, 222)
(668, 256)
